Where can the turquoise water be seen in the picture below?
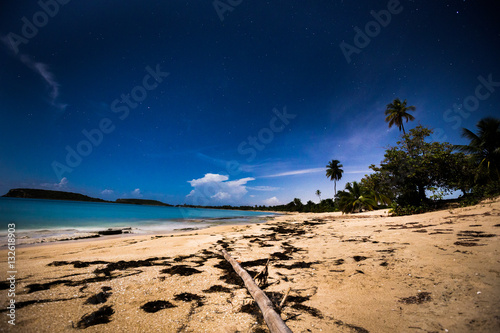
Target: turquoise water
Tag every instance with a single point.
(56, 216)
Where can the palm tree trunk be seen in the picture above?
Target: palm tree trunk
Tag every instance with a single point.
(421, 193)
(273, 320)
(334, 189)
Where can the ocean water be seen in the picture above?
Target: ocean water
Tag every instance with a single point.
(52, 219)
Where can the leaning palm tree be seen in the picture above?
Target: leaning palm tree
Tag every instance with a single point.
(397, 111)
(484, 147)
(355, 199)
(334, 172)
(318, 193)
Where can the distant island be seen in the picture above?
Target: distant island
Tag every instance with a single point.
(142, 202)
(31, 193)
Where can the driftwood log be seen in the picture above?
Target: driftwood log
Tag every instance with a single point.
(273, 319)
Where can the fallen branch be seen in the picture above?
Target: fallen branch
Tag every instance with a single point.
(273, 319)
(284, 299)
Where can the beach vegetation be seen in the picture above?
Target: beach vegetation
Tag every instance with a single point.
(334, 172)
(318, 193)
(356, 198)
(484, 150)
(414, 167)
(396, 112)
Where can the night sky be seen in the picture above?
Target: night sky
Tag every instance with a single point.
(231, 101)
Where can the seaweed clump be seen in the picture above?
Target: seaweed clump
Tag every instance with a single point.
(188, 297)
(419, 299)
(101, 316)
(99, 298)
(217, 288)
(155, 306)
(182, 270)
(123, 265)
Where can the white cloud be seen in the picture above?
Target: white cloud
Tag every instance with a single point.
(137, 193)
(295, 172)
(359, 171)
(42, 70)
(107, 192)
(263, 188)
(221, 196)
(271, 201)
(216, 189)
(62, 184)
(208, 178)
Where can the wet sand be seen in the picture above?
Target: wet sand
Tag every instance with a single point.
(434, 272)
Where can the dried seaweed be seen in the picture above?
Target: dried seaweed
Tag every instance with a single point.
(300, 264)
(77, 263)
(312, 311)
(101, 316)
(155, 306)
(418, 299)
(123, 265)
(182, 270)
(188, 297)
(99, 298)
(217, 288)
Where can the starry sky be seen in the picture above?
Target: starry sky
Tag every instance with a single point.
(231, 101)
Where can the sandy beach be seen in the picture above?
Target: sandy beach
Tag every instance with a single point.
(368, 272)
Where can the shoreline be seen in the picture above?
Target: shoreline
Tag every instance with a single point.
(36, 237)
(436, 271)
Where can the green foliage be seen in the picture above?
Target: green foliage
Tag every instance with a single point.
(356, 199)
(318, 193)
(469, 201)
(461, 173)
(334, 172)
(396, 112)
(398, 210)
(484, 149)
(488, 190)
(415, 165)
(380, 185)
(296, 205)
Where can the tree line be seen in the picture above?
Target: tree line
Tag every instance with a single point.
(415, 174)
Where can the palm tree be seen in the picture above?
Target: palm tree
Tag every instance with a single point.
(396, 112)
(318, 193)
(355, 199)
(334, 172)
(484, 147)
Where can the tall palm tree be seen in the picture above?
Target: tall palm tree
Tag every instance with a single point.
(484, 147)
(355, 199)
(318, 193)
(397, 111)
(334, 172)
